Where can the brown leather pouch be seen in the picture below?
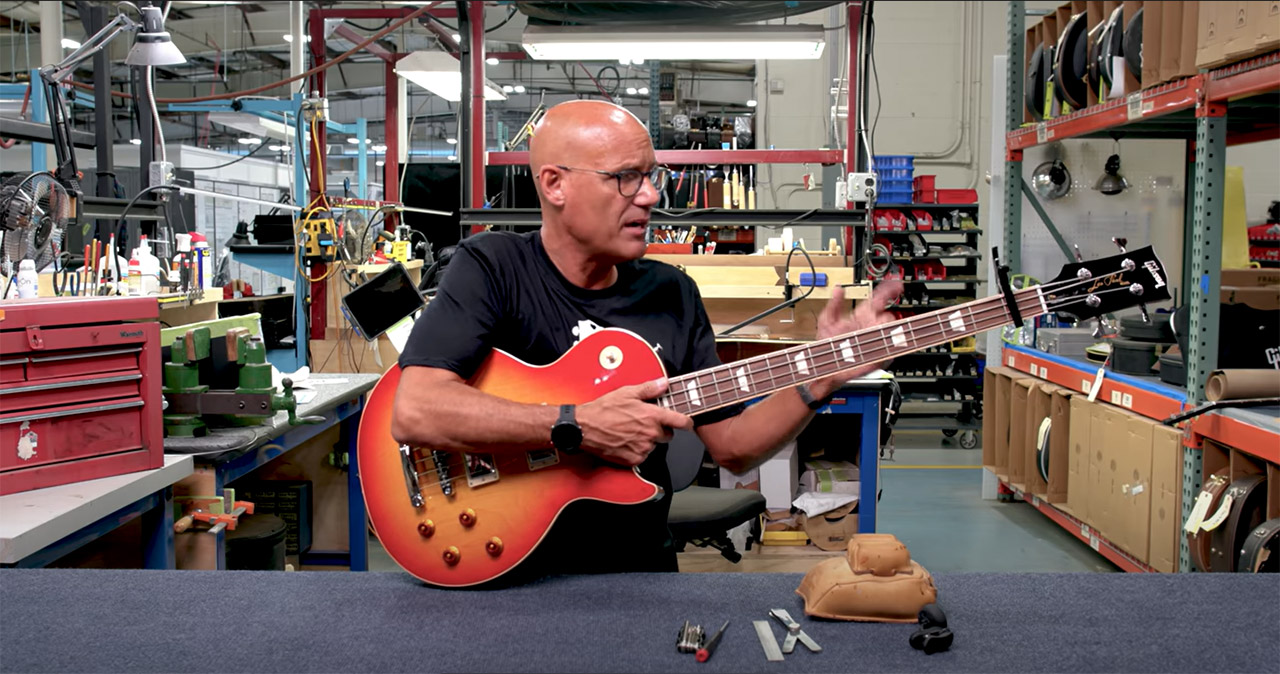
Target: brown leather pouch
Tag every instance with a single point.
(1200, 542)
(1248, 507)
(876, 580)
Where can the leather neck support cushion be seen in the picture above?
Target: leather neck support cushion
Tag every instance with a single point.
(876, 580)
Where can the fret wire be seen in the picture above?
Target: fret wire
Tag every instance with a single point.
(715, 380)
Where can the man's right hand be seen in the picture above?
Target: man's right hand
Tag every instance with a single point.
(623, 428)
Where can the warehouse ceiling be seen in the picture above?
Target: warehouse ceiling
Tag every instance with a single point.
(233, 46)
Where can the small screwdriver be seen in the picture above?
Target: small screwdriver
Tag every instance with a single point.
(705, 652)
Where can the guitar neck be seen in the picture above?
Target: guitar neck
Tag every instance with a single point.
(743, 380)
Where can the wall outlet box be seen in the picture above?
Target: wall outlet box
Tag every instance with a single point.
(160, 173)
(861, 187)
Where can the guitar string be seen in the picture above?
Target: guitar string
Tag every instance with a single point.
(874, 353)
(515, 460)
(987, 313)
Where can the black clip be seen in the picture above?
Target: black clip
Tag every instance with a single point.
(1002, 275)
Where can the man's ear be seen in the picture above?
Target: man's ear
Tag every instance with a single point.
(552, 185)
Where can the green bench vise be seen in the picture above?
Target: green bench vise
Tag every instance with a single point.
(193, 407)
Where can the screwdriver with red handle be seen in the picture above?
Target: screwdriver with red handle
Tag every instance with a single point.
(703, 654)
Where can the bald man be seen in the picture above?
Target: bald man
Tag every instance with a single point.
(535, 295)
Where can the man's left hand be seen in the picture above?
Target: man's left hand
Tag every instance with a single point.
(834, 321)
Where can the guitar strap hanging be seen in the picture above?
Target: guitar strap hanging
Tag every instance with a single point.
(1002, 274)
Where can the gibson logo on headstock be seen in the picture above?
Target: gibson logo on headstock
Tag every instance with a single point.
(1154, 268)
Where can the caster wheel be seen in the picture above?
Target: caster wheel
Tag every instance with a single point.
(949, 432)
(968, 439)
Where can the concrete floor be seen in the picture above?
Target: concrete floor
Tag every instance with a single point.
(931, 500)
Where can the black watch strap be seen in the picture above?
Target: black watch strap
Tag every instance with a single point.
(566, 434)
(807, 396)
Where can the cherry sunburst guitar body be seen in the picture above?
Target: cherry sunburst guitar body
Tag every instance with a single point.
(502, 504)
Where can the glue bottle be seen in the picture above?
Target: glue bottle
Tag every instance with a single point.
(150, 266)
(27, 281)
(135, 275)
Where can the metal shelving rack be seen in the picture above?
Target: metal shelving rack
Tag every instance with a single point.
(940, 386)
(1231, 105)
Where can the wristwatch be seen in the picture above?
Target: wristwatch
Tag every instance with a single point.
(807, 396)
(566, 434)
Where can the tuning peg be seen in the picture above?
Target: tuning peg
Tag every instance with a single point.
(1146, 318)
(1120, 242)
(1079, 257)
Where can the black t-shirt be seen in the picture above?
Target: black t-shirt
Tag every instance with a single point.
(501, 291)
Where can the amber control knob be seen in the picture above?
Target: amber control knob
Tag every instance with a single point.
(494, 546)
(425, 529)
(452, 555)
(467, 517)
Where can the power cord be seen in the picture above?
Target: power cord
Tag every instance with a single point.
(787, 290)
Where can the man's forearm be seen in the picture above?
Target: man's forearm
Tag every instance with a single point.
(455, 416)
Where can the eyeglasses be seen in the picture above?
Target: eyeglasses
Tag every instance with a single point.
(629, 180)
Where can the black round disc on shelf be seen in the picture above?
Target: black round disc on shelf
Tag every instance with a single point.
(1070, 64)
(1092, 76)
(1133, 46)
(1034, 87)
(1112, 46)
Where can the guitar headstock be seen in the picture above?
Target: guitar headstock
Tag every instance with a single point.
(1092, 288)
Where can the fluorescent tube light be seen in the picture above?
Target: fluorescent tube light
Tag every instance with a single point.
(439, 73)
(571, 43)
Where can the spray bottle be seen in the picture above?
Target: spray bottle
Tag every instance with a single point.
(150, 266)
(203, 255)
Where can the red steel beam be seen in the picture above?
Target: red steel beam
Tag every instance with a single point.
(319, 294)
(379, 13)
(1255, 76)
(475, 19)
(1159, 100)
(853, 24)
(391, 133)
(674, 157)
(1245, 437)
(1256, 135)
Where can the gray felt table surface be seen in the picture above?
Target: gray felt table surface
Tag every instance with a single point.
(74, 620)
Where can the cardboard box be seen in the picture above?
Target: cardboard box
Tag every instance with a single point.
(1211, 33)
(1039, 403)
(1018, 441)
(830, 477)
(1127, 464)
(1079, 442)
(995, 419)
(1190, 28)
(1254, 29)
(1250, 278)
(1059, 445)
(831, 530)
(1152, 42)
(1169, 66)
(1166, 498)
(748, 480)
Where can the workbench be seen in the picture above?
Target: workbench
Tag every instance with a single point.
(39, 526)
(82, 620)
(230, 454)
(863, 398)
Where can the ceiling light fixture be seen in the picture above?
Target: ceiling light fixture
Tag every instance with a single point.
(249, 141)
(751, 103)
(491, 61)
(439, 73)
(508, 89)
(519, 88)
(631, 91)
(571, 43)
(643, 91)
(379, 148)
(451, 141)
(68, 43)
(452, 157)
(135, 141)
(278, 148)
(379, 163)
(456, 38)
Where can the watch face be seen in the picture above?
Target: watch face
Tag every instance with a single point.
(566, 435)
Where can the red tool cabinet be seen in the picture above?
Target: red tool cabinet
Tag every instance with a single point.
(80, 386)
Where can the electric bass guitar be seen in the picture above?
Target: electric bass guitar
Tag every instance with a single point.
(459, 519)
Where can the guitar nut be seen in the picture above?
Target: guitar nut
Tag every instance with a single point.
(494, 546)
(467, 517)
(452, 556)
(426, 529)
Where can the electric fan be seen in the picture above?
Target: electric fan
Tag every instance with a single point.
(34, 209)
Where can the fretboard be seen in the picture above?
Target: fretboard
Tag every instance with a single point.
(742, 380)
